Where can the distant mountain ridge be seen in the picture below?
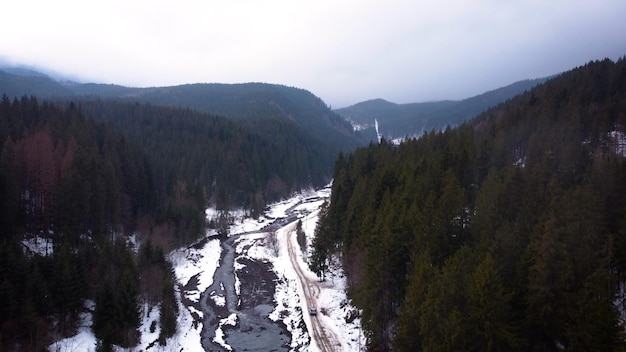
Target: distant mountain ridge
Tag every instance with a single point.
(245, 101)
(413, 119)
(257, 101)
(261, 101)
(16, 83)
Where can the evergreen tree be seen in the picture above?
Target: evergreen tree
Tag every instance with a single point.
(489, 311)
(322, 247)
(300, 236)
(506, 233)
(408, 337)
(168, 310)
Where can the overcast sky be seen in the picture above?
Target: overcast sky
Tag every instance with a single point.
(344, 51)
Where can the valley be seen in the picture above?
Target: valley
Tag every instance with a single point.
(140, 224)
(260, 292)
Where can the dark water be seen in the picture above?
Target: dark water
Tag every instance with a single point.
(254, 331)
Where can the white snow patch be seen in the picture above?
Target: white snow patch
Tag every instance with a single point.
(193, 310)
(242, 225)
(359, 127)
(190, 262)
(151, 314)
(84, 340)
(254, 246)
(279, 210)
(187, 337)
(219, 333)
(219, 300)
(212, 213)
(378, 135)
(289, 312)
(38, 245)
(619, 142)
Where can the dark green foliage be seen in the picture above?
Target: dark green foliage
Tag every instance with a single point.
(301, 236)
(323, 245)
(263, 105)
(81, 183)
(208, 159)
(116, 315)
(168, 312)
(78, 184)
(69, 286)
(68, 174)
(157, 286)
(8, 201)
(37, 291)
(504, 234)
(272, 140)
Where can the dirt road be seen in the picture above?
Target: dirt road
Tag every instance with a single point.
(325, 338)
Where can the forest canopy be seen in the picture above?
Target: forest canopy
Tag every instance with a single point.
(94, 178)
(507, 233)
(80, 186)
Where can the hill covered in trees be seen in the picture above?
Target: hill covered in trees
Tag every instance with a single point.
(17, 83)
(79, 186)
(249, 102)
(81, 176)
(257, 101)
(240, 144)
(86, 168)
(225, 162)
(414, 119)
(507, 233)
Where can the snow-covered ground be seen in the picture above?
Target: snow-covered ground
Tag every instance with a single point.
(331, 302)
(200, 262)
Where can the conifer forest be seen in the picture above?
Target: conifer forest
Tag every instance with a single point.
(506, 232)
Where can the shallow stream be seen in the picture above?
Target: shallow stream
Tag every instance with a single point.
(253, 331)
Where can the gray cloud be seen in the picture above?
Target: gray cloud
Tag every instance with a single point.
(343, 51)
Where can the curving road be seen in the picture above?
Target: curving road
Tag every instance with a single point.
(325, 338)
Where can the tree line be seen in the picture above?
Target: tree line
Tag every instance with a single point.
(81, 186)
(507, 233)
(84, 174)
(218, 160)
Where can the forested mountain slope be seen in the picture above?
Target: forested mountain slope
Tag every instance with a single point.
(250, 102)
(279, 139)
(229, 163)
(259, 101)
(402, 120)
(271, 140)
(507, 233)
(79, 186)
(82, 172)
(16, 84)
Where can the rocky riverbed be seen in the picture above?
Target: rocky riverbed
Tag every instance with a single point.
(236, 306)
